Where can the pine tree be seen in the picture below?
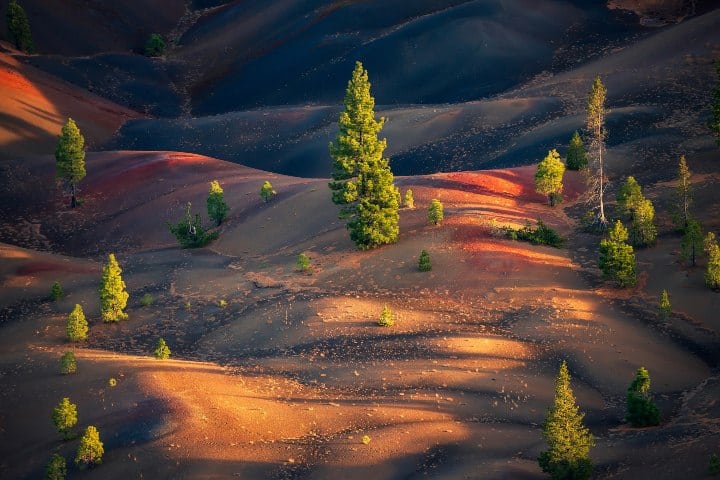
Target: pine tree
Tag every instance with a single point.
(19, 28)
(628, 197)
(90, 451)
(155, 46)
(617, 259)
(68, 364)
(77, 326)
(302, 264)
(549, 176)
(70, 157)
(714, 467)
(361, 178)
(643, 231)
(267, 192)
(162, 351)
(409, 200)
(65, 417)
(712, 273)
(714, 122)
(435, 212)
(216, 207)
(386, 318)
(569, 440)
(665, 308)
(424, 264)
(641, 410)
(113, 296)
(692, 241)
(596, 131)
(683, 196)
(56, 469)
(576, 155)
(56, 292)
(189, 231)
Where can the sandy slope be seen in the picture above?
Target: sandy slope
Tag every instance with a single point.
(285, 380)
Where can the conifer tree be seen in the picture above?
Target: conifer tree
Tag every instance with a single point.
(424, 264)
(162, 351)
(665, 308)
(155, 45)
(712, 273)
(70, 157)
(409, 200)
(189, 231)
(302, 264)
(714, 122)
(56, 292)
(216, 207)
(628, 197)
(19, 27)
(65, 417)
(90, 451)
(569, 441)
(617, 259)
(386, 318)
(633, 206)
(692, 241)
(68, 364)
(549, 176)
(77, 326)
(113, 296)
(435, 212)
(361, 178)
(267, 192)
(56, 469)
(576, 155)
(683, 195)
(641, 410)
(596, 131)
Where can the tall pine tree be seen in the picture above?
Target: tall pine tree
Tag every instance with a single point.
(596, 131)
(70, 157)
(361, 178)
(683, 195)
(113, 296)
(569, 440)
(19, 27)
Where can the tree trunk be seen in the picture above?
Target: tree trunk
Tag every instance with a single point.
(551, 198)
(73, 200)
(603, 221)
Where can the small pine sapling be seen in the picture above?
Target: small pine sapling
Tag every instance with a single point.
(409, 200)
(386, 318)
(712, 271)
(216, 207)
(576, 154)
(155, 46)
(424, 264)
(617, 258)
(549, 176)
(76, 327)
(189, 231)
(113, 296)
(68, 364)
(162, 351)
(56, 468)
(665, 308)
(90, 451)
(56, 292)
(641, 410)
(435, 212)
(65, 417)
(146, 300)
(267, 192)
(302, 264)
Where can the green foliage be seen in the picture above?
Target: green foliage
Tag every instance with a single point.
(683, 196)
(162, 351)
(267, 192)
(641, 410)
(714, 122)
(424, 264)
(617, 258)
(56, 292)
(712, 273)
(596, 131)
(91, 448)
(409, 200)
(549, 176)
(692, 241)
(216, 207)
(366, 439)
(665, 308)
(540, 235)
(19, 28)
(56, 468)
(302, 263)
(714, 467)
(576, 155)
(70, 157)
(113, 296)
(65, 417)
(76, 327)
(568, 439)
(435, 212)
(112, 382)
(362, 181)
(155, 45)
(386, 318)
(628, 196)
(632, 205)
(68, 364)
(189, 231)
(146, 300)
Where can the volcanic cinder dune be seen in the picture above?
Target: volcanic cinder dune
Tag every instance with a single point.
(280, 374)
